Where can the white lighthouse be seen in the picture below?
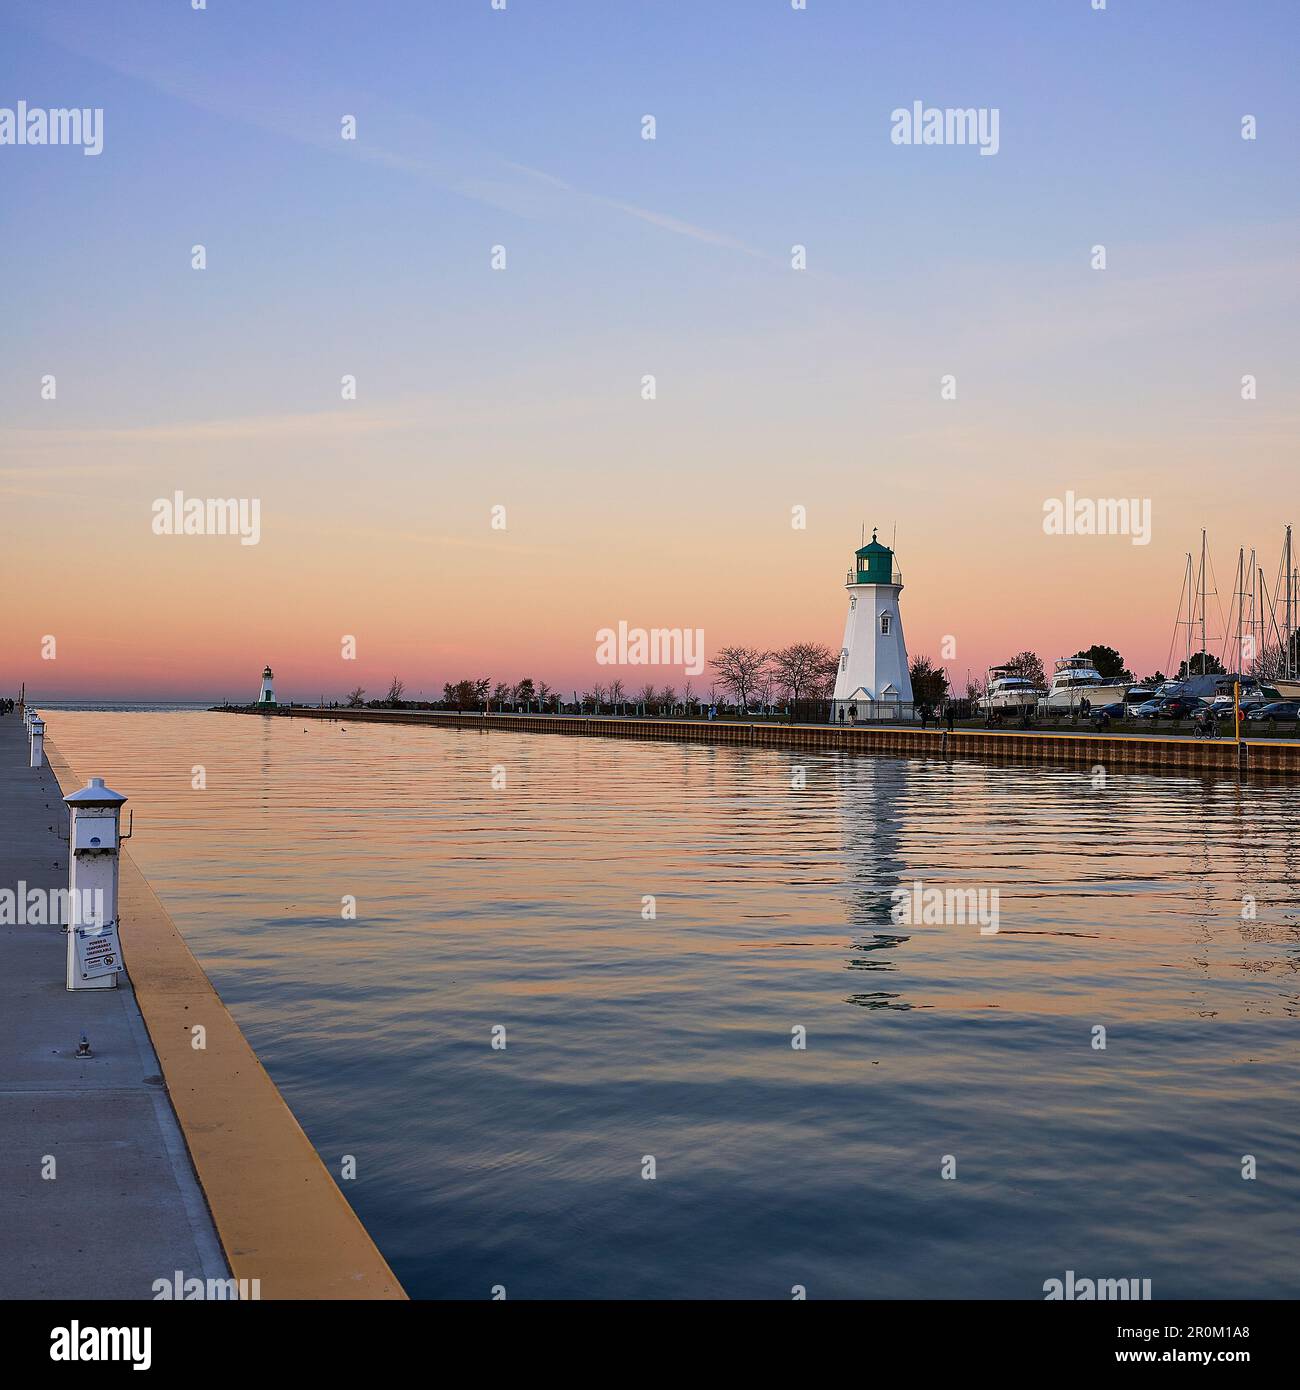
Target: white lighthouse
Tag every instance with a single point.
(873, 680)
(267, 695)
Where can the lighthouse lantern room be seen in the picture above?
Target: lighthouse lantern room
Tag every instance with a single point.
(873, 680)
(267, 695)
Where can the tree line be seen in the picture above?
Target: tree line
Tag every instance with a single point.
(744, 675)
(749, 677)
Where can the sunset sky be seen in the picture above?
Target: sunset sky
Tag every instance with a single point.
(522, 388)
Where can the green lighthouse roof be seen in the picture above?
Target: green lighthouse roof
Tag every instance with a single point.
(875, 563)
(873, 546)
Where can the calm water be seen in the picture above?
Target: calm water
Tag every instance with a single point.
(522, 907)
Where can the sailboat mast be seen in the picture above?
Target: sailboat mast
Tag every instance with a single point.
(1263, 605)
(1286, 660)
(1191, 615)
(1241, 600)
(1254, 616)
(1203, 657)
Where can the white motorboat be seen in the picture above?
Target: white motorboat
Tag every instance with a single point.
(1008, 693)
(1075, 679)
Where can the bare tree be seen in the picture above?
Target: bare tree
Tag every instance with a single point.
(544, 693)
(356, 698)
(801, 669)
(616, 693)
(823, 687)
(394, 697)
(739, 671)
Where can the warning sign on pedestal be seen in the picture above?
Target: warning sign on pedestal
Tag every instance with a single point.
(98, 952)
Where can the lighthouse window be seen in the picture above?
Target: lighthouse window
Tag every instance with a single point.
(884, 623)
(853, 601)
(844, 658)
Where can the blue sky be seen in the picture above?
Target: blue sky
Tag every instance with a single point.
(222, 125)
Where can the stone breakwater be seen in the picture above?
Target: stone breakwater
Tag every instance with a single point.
(1148, 752)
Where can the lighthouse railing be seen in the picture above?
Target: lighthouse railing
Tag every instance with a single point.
(895, 578)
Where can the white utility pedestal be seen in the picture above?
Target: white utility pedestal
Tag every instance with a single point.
(94, 953)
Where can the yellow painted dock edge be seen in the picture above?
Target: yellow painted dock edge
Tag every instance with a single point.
(1262, 758)
(280, 1216)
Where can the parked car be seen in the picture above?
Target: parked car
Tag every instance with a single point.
(1181, 707)
(1169, 707)
(1117, 709)
(1279, 712)
(1223, 708)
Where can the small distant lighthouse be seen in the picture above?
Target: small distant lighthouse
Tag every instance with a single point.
(267, 695)
(873, 680)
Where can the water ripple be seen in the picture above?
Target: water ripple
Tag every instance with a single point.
(526, 906)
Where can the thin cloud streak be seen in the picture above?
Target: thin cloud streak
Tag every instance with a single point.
(475, 185)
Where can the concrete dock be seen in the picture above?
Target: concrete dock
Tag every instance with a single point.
(99, 1197)
(169, 1155)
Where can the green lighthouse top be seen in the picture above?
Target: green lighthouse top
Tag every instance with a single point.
(875, 563)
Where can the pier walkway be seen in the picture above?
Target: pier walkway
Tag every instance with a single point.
(99, 1197)
(172, 1147)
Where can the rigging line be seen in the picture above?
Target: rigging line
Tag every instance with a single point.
(1239, 597)
(1271, 605)
(1218, 603)
(1173, 640)
(1277, 592)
